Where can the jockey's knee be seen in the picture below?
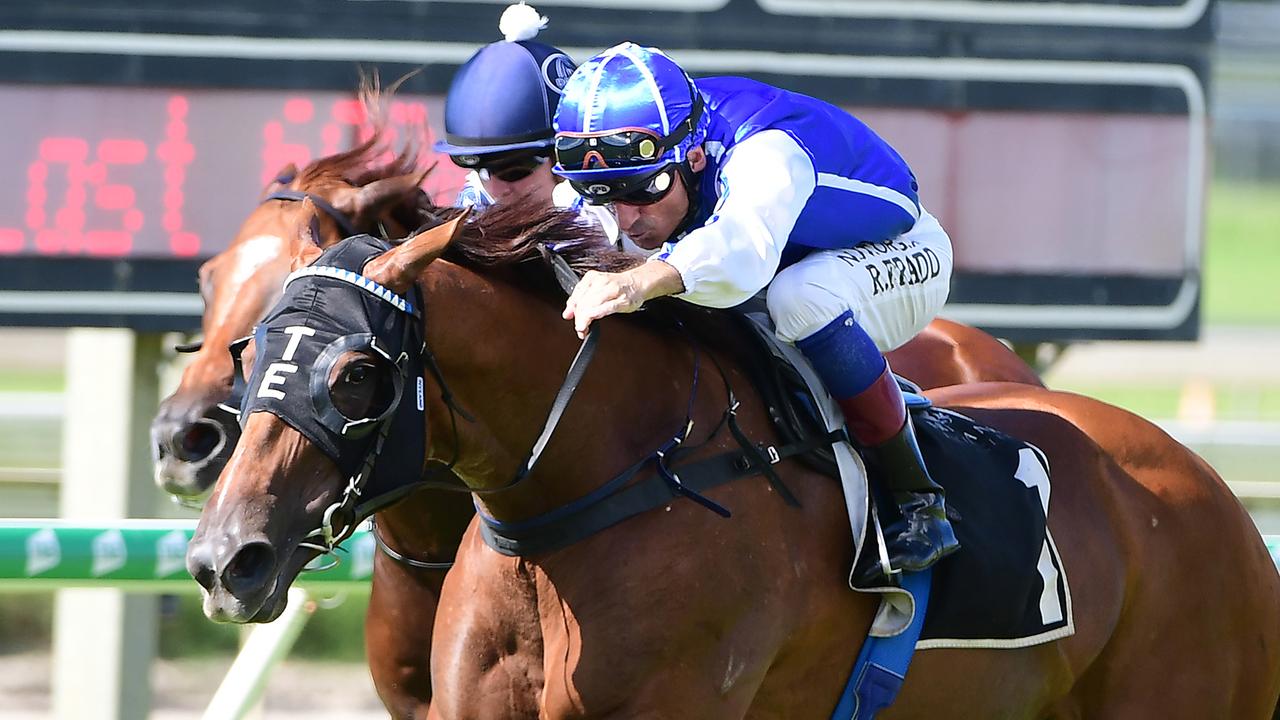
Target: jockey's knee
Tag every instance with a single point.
(800, 306)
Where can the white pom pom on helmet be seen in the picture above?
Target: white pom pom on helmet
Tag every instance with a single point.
(520, 22)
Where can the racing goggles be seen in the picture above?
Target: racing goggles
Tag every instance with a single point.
(645, 189)
(616, 149)
(622, 148)
(504, 167)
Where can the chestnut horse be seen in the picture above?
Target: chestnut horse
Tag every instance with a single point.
(680, 613)
(194, 436)
(194, 433)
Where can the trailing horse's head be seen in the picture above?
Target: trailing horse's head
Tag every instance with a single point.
(194, 430)
(336, 384)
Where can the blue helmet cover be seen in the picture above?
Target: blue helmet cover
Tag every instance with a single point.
(504, 98)
(629, 86)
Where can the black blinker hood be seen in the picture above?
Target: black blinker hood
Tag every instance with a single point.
(327, 309)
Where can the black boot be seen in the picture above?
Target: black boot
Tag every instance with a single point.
(924, 535)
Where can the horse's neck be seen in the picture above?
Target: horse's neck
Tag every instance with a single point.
(504, 355)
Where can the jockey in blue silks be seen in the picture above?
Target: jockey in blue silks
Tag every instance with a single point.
(498, 113)
(741, 186)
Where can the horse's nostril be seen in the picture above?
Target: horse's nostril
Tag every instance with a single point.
(197, 442)
(249, 569)
(200, 565)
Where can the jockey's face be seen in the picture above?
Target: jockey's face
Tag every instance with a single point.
(536, 186)
(649, 226)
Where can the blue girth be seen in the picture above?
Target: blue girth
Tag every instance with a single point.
(882, 665)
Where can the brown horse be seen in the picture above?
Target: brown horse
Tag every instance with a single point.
(194, 437)
(194, 433)
(679, 613)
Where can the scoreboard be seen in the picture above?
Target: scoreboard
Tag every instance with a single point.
(166, 173)
(1061, 144)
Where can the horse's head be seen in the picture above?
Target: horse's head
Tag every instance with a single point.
(195, 429)
(336, 382)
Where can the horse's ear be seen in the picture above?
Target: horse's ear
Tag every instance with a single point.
(399, 267)
(369, 201)
(282, 179)
(308, 248)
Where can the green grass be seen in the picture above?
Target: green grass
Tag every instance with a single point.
(1242, 255)
(31, 380)
(1231, 402)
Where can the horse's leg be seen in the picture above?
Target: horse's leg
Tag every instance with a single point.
(426, 526)
(397, 635)
(1200, 637)
(487, 653)
(684, 614)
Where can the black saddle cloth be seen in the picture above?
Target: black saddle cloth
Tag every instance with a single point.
(992, 592)
(1005, 586)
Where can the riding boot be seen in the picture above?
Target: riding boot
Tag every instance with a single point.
(857, 376)
(878, 420)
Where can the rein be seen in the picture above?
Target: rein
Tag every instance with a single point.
(339, 217)
(614, 501)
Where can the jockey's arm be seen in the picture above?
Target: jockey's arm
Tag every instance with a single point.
(764, 185)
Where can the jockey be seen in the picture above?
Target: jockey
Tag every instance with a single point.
(742, 186)
(497, 121)
(498, 113)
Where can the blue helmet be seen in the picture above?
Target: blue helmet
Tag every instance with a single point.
(505, 96)
(627, 113)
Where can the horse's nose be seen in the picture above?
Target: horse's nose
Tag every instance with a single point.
(250, 569)
(161, 441)
(196, 441)
(200, 563)
(241, 568)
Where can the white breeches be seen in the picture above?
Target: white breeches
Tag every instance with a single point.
(894, 288)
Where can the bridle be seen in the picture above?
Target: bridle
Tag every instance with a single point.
(340, 218)
(324, 536)
(289, 195)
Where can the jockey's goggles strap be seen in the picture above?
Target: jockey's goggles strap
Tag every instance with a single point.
(623, 147)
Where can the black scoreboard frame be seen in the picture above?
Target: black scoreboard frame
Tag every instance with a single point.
(1143, 56)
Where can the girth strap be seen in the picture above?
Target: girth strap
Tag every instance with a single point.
(609, 505)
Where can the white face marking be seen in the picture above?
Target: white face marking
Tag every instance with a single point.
(253, 253)
(250, 257)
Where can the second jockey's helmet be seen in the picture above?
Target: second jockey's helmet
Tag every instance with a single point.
(504, 98)
(626, 115)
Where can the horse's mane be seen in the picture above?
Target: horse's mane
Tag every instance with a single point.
(511, 235)
(362, 164)
(509, 241)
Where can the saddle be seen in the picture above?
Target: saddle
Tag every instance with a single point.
(789, 387)
(1005, 586)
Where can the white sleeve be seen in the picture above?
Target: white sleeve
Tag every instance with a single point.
(763, 187)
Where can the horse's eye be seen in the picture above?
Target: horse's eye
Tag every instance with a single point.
(357, 374)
